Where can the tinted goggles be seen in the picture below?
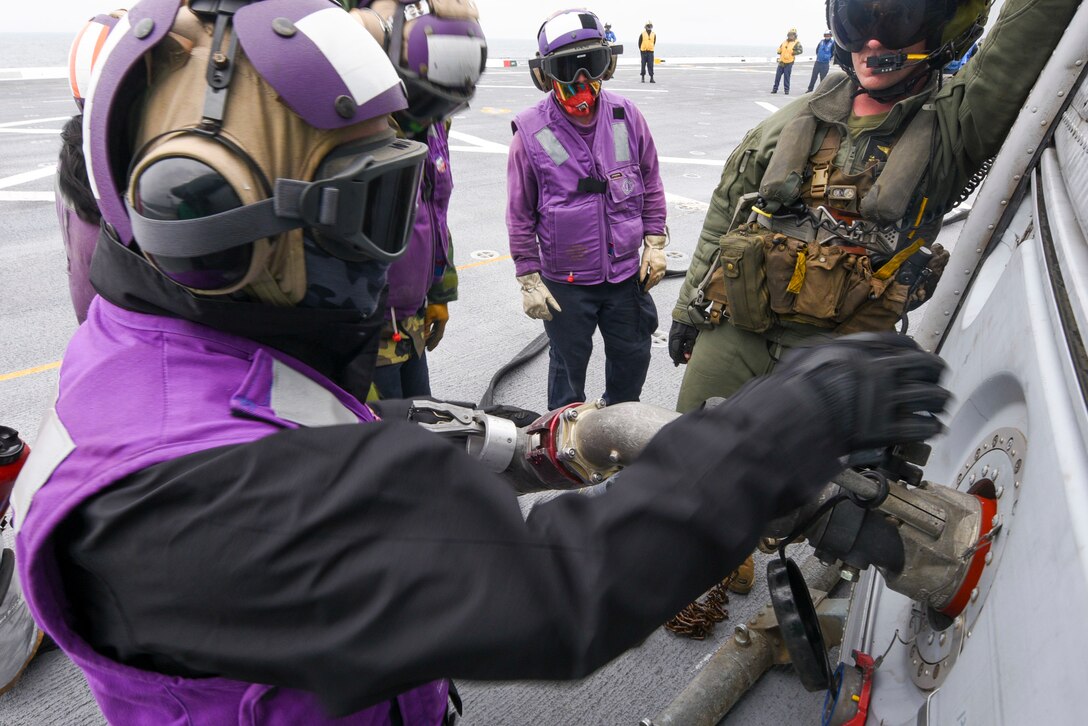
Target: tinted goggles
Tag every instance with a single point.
(565, 67)
(428, 103)
(364, 205)
(191, 224)
(895, 23)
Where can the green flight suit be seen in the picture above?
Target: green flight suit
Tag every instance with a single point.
(974, 110)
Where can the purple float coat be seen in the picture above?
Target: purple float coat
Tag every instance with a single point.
(423, 264)
(137, 390)
(559, 231)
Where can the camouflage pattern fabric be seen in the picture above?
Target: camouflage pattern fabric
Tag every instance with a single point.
(391, 352)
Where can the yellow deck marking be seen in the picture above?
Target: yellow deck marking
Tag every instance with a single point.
(30, 371)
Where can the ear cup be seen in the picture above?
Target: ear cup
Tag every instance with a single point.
(539, 80)
(611, 68)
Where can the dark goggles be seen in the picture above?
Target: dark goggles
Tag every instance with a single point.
(895, 23)
(565, 67)
(429, 103)
(374, 190)
(192, 225)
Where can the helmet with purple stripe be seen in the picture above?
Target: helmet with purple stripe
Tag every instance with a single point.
(217, 134)
(437, 47)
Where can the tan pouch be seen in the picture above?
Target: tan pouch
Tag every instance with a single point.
(745, 277)
(879, 313)
(715, 293)
(825, 274)
(782, 256)
(831, 287)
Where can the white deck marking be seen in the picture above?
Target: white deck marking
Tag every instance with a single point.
(484, 146)
(27, 196)
(51, 132)
(27, 176)
(478, 144)
(768, 106)
(11, 124)
(633, 89)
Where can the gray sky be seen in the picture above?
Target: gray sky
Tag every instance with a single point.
(700, 21)
(731, 22)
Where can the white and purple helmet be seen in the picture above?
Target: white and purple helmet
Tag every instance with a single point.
(568, 27)
(571, 42)
(439, 50)
(217, 131)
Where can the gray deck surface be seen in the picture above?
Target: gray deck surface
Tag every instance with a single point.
(697, 115)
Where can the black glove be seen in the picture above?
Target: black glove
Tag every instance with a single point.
(934, 270)
(681, 342)
(879, 389)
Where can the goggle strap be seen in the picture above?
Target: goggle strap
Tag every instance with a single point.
(210, 235)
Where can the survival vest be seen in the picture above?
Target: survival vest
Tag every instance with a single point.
(787, 51)
(411, 276)
(647, 41)
(850, 264)
(590, 201)
(138, 390)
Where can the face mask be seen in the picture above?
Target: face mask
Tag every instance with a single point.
(577, 99)
(336, 284)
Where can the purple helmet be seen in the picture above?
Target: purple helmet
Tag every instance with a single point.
(240, 131)
(567, 27)
(572, 43)
(438, 48)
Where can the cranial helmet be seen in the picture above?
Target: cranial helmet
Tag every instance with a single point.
(437, 47)
(948, 27)
(218, 132)
(571, 42)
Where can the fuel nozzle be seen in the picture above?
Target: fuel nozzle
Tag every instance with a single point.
(13, 454)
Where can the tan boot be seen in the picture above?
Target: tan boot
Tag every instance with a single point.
(743, 577)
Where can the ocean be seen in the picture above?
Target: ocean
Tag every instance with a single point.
(38, 50)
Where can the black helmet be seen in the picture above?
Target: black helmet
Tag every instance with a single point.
(948, 27)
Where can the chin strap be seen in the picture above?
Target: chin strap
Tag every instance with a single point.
(904, 89)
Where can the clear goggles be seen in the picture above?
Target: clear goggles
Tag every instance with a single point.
(191, 223)
(565, 67)
(895, 23)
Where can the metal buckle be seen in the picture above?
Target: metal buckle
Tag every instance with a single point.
(417, 10)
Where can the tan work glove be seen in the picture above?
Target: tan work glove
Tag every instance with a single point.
(435, 318)
(535, 298)
(651, 270)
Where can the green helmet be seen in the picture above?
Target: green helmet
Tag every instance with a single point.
(948, 27)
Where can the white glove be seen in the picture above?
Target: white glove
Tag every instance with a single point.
(651, 270)
(535, 298)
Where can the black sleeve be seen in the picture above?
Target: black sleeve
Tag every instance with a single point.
(358, 561)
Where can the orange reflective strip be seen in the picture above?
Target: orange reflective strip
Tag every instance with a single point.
(102, 35)
(72, 53)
